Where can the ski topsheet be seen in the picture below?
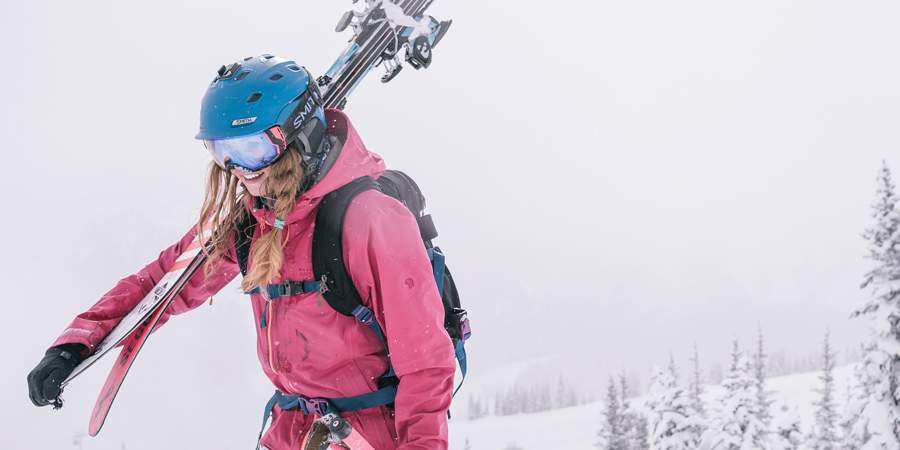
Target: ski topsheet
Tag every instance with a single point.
(164, 289)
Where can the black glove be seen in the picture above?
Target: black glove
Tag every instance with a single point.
(45, 380)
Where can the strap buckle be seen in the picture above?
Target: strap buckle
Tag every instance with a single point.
(310, 406)
(284, 289)
(364, 315)
(465, 330)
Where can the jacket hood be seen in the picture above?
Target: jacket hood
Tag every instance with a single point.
(348, 161)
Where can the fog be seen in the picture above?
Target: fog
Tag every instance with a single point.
(611, 181)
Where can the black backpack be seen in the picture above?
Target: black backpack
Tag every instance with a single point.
(328, 262)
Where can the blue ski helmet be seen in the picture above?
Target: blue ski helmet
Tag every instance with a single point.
(257, 93)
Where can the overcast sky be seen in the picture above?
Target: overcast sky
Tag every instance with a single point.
(612, 181)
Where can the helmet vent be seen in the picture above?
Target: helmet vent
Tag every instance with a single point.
(294, 68)
(241, 76)
(248, 58)
(254, 97)
(276, 77)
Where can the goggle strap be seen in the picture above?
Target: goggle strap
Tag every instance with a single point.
(305, 110)
(311, 136)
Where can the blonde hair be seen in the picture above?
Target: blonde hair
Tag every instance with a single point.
(223, 205)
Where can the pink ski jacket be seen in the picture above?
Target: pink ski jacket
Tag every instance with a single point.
(307, 347)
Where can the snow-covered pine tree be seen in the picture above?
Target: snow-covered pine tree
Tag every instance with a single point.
(877, 424)
(672, 368)
(824, 434)
(759, 369)
(634, 424)
(856, 400)
(640, 435)
(674, 424)
(628, 422)
(695, 388)
(612, 436)
(738, 426)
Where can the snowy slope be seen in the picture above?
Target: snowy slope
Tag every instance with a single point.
(577, 427)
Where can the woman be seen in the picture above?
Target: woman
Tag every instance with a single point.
(276, 153)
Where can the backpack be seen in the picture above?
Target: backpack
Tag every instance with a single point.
(338, 289)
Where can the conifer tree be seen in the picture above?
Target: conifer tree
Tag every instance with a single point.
(612, 435)
(759, 367)
(634, 424)
(674, 424)
(640, 435)
(853, 440)
(824, 433)
(695, 389)
(738, 426)
(628, 419)
(876, 419)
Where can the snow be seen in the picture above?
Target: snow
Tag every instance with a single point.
(576, 427)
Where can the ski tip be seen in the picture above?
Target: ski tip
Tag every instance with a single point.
(94, 428)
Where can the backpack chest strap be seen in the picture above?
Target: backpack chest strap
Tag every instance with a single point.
(289, 288)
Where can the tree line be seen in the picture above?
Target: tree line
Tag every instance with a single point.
(741, 420)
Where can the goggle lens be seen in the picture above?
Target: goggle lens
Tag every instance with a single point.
(251, 152)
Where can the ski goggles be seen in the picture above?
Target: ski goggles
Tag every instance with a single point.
(251, 152)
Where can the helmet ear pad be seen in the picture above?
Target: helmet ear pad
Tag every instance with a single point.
(317, 150)
(311, 137)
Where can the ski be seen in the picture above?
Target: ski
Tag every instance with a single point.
(384, 32)
(164, 289)
(130, 349)
(181, 271)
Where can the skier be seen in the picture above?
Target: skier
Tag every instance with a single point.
(272, 141)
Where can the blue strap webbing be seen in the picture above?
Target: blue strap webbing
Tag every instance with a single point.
(438, 262)
(461, 357)
(288, 288)
(366, 317)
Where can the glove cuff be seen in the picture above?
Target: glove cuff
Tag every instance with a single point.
(71, 352)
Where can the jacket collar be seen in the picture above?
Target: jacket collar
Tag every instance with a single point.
(347, 161)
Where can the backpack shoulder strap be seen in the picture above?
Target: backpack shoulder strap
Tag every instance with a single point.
(327, 247)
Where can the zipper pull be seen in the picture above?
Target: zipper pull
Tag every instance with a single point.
(323, 288)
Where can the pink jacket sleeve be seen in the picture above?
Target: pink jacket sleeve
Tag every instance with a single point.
(387, 261)
(90, 327)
